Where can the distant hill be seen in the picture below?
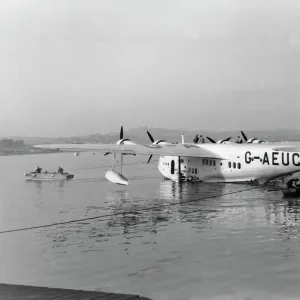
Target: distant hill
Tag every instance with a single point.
(139, 135)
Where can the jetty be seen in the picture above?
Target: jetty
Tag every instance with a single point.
(26, 292)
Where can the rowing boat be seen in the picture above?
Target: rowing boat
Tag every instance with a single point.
(48, 176)
(291, 192)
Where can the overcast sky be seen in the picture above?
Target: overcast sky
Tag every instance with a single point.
(72, 67)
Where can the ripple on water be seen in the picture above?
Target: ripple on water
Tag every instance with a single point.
(160, 239)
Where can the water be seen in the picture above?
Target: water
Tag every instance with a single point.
(153, 243)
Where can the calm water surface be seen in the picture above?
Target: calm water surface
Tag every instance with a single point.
(236, 246)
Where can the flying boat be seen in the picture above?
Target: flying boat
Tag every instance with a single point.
(226, 162)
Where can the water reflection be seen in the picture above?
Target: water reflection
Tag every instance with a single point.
(130, 220)
(133, 217)
(282, 211)
(60, 185)
(290, 222)
(185, 202)
(285, 215)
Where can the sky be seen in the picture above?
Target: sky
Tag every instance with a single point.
(70, 67)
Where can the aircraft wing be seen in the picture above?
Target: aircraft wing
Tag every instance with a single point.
(171, 150)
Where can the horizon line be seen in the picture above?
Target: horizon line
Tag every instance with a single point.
(147, 128)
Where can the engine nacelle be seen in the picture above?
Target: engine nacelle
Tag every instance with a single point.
(224, 142)
(161, 142)
(125, 142)
(252, 140)
(255, 141)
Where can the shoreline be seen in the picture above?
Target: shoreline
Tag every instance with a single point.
(28, 153)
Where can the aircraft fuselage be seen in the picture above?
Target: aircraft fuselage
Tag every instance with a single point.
(244, 163)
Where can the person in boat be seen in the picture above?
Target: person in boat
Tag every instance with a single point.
(38, 170)
(292, 183)
(60, 170)
(196, 139)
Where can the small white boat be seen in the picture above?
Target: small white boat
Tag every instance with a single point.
(48, 176)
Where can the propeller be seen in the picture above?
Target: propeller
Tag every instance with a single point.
(152, 140)
(150, 136)
(121, 133)
(211, 140)
(244, 136)
(121, 138)
(155, 142)
(219, 142)
(149, 159)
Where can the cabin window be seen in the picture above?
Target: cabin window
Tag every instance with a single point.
(195, 170)
(239, 165)
(234, 165)
(214, 162)
(229, 164)
(221, 164)
(206, 161)
(210, 162)
(203, 162)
